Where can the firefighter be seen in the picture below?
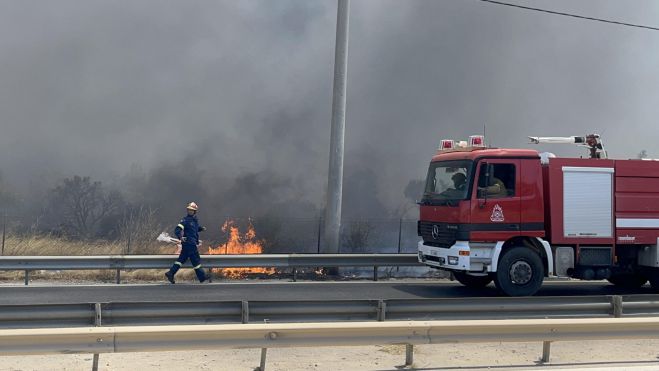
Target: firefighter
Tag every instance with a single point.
(188, 232)
(459, 181)
(496, 189)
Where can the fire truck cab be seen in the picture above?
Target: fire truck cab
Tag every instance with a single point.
(515, 216)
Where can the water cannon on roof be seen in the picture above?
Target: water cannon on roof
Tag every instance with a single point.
(592, 141)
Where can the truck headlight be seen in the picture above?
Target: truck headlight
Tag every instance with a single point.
(453, 260)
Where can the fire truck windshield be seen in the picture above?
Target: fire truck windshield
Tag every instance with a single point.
(447, 181)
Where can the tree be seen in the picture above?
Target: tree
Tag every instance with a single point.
(643, 154)
(82, 206)
(138, 230)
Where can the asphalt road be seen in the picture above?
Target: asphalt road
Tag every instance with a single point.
(269, 290)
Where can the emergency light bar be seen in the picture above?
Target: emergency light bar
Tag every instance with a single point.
(475, 141)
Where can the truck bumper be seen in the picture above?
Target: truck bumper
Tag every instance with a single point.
(462, 256)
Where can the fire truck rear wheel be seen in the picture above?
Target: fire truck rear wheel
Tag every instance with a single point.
(520, 272)
(472, 281)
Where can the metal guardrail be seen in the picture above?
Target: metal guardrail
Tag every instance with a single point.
(119, 262)
(210, 261)
(166, 338)
(227, 312)
(24, 329)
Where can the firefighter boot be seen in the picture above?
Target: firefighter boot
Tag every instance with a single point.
(170, 276)
(202, 276)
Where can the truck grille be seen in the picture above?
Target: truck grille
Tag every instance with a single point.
(445, 236)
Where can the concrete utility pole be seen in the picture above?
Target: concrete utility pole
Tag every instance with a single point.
(335, 175)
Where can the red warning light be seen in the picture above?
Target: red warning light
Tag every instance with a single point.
(447, 144)
(477, 141)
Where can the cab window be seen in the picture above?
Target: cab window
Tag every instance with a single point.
(501, 181)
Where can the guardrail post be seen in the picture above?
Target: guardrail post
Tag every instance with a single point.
(245, 312)
(382, 310)
(264, 353)
(118, 276)
(409, 354)
(546, 350)
(375, 273)
(27, 277)
(97, 322)
(616, 304)
(294, 274)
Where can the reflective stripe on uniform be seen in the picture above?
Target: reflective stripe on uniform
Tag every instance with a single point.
(180, 226)
(197, 267)
(178, 263)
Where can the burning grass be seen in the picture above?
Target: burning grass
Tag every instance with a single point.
(240, 243)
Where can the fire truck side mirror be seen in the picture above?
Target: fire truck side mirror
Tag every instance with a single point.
(488, 173)
(482, 191)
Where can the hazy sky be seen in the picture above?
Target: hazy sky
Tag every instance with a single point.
(95, 87)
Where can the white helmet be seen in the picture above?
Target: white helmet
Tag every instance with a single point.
(192, 206)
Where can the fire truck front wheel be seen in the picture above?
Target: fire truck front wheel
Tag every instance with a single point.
(472, 281)
(520, 272)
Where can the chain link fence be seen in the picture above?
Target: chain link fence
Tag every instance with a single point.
(24, 236)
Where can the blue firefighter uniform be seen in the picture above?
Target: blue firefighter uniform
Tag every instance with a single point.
(188, 232)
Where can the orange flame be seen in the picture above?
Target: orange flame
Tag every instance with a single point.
(240, 244)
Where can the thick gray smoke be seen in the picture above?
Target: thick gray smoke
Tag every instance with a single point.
(228, 102)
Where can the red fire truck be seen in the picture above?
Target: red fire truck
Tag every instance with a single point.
(516, 216)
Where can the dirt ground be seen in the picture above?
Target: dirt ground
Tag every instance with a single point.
(600, 355)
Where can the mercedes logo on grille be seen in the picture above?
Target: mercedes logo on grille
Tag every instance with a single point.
(435, 232)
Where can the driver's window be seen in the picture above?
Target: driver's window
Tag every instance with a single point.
(499, 184)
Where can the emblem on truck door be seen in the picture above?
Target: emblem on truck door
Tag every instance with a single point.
(497, 214)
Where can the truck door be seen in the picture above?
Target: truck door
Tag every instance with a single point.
(496, 201)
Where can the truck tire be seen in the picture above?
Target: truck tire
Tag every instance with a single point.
(629, 280)
(472, 281)
(520, 272)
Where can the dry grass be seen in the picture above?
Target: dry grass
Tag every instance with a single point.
(49, 245)
(53, 246)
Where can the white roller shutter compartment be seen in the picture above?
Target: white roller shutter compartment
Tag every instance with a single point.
(587, 202)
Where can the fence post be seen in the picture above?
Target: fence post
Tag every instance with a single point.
(97, 323)
(400, 232)
(4, 232)
(320, 221)
(128, 242)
